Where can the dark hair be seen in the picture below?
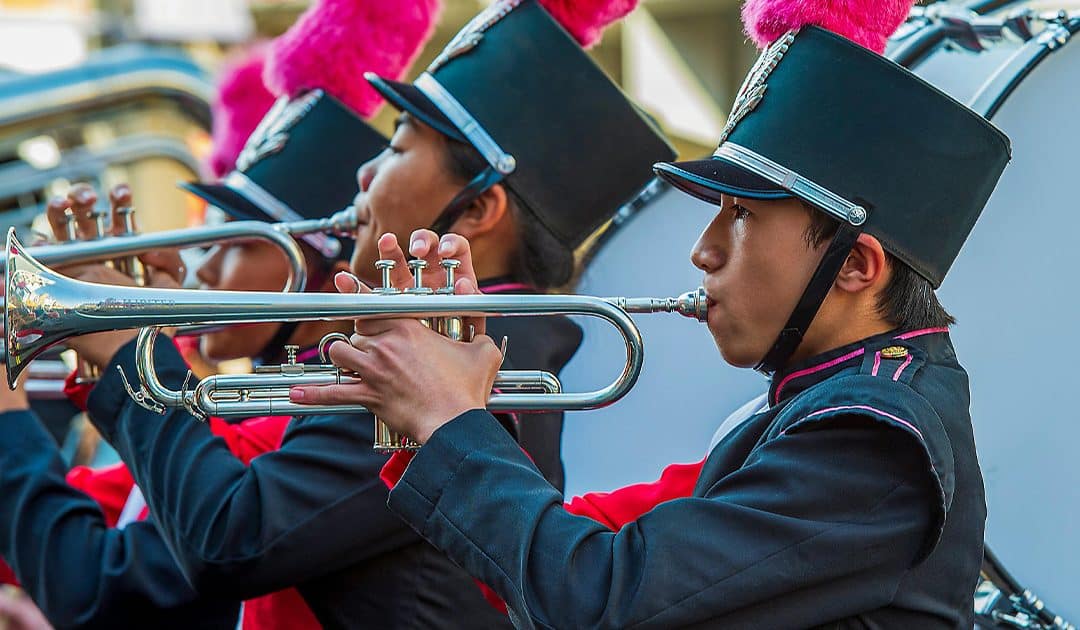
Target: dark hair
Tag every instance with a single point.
(540, 259)
(908, 301)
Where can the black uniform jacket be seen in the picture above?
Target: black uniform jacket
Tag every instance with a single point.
(80, 572)
(312, 514)
(853, 501)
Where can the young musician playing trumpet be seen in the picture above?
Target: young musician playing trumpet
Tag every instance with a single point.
(84, 574)
(313, 513)
(127, 575)
(853, 497)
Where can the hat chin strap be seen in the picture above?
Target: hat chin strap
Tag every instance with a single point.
(461, 202)
(820, 283)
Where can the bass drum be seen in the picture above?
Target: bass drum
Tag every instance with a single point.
(1011, 292)
(685, 390)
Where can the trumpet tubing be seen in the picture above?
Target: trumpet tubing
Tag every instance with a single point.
(128, 246)
(42, 308)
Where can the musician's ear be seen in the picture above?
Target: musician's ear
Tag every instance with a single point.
(484, 214)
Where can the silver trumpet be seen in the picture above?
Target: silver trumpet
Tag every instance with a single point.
(341, 223)
(43, 308)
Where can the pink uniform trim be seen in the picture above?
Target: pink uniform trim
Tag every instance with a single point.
(310, 353)
(506, 286)
(877, 363)
(862, 408)
(903, 366)
(920, 333)
(816, 368)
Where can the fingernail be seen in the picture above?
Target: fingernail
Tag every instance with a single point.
(296, 395)
(413, 246)
(444, 249)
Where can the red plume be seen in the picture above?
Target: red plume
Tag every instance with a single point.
(869, 23)
(335, 42)
(587, 19)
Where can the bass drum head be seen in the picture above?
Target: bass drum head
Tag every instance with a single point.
(1014, 293)
(685, 390)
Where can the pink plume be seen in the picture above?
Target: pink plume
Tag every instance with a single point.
(242, 101)
(865, 22)
(335, 42)
(587, 19)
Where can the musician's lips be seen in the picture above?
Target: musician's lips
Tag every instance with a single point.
(363, 213)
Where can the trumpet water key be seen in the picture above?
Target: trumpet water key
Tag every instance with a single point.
(43, 308)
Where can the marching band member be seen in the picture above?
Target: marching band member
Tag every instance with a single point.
(112, 569)
(313, 513)
(845, 188)
(115, 589)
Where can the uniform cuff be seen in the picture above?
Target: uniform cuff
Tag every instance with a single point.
(434, 466)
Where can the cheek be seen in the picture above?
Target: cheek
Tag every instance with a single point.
(408, 194)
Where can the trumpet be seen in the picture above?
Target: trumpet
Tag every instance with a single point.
(341, 224)
(42, 308)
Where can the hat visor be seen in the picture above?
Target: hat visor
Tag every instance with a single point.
(228, 200)
(408, 98)
(711, 178)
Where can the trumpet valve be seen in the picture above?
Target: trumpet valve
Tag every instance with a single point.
(99, 223)
(417, 267)
(386, 267)
(70, 225)
(450, 266)
(127, 215)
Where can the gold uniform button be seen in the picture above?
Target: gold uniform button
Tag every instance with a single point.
(894, 352)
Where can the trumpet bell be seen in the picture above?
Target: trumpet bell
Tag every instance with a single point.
(33, 315)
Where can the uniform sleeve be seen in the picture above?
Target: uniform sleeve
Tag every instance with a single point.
(77, 570)
(817, 525)
(314, 506)
(109, 487)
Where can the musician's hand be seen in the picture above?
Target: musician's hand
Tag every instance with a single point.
(427, 245)
(165, 268)
(413, 379)
(18, 612)
(12, 400)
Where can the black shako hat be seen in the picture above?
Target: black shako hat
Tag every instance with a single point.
(299, 163)
(549, 123)
(863, 139)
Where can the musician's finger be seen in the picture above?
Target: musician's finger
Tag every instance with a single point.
(167, 261)
(83, 197)
(120, 199)
(457, 247)
(424, 244)
(56, 210)
(347, 394)
(467, 286)
(389, 249)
